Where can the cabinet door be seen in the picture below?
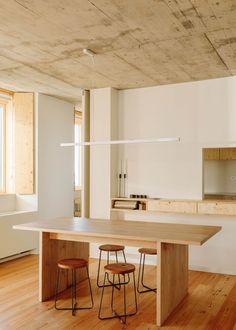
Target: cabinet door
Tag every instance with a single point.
(222, 208)
(211, 154)
(172, 206)
(227, 153)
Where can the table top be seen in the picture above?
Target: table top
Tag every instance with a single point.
(123, 229)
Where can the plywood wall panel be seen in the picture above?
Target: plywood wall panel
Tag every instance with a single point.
(23, 108)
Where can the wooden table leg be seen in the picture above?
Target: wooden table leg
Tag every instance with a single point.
(51, 251)
(172, 278)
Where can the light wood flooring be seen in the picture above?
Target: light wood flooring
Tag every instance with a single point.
(211, 303)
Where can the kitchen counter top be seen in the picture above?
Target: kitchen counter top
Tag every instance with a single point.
(219, 205)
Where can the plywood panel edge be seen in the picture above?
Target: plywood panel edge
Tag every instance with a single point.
(24, 141)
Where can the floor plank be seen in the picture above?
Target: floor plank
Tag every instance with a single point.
(210, 305)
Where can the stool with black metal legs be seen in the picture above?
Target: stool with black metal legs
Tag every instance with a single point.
(143, 252)
(121, 269)
(109, 248)
(73, 265)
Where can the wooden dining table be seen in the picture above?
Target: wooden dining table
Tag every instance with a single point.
(70, 237)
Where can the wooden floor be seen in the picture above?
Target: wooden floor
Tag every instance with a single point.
(211, 303)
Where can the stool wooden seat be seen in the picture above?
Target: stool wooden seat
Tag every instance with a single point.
(120, 268)
(148, 251)
(72, 265)
(111, 248)
(143, 252)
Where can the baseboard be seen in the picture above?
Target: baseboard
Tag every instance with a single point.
(16, 256)
(151, 260)
(132, 258)
(212, 270)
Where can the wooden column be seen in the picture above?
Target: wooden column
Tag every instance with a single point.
(51, 251)
(85, 192)
(172, 278)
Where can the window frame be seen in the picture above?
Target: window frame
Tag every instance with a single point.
(3, 104)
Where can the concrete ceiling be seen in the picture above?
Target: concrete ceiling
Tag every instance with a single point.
(138, 43)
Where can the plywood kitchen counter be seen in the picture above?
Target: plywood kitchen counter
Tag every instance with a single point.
(212, 205)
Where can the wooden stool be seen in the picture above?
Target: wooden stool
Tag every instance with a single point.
(73, 265)
(109, 248)
(143, 252)
(121, 269)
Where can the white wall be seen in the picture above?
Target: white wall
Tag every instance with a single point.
(13, 241)
(54, 176)
(55, 164)
(7, 203)
(202, 114)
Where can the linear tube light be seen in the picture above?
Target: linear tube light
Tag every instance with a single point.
(94, 143)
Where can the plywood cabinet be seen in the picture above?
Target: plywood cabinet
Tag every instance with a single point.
(172, 206)
(227, 153)
(219, 154)
(217, 207)
(211, 153)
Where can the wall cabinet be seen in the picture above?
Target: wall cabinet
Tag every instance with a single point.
(227, 153)
(211, 154)
(219, 154)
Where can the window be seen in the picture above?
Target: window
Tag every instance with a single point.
(2, 147)
(77, 138)
(16, 142)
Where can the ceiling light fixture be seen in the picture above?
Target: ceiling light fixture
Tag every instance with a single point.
(91, 54)
(137, 141)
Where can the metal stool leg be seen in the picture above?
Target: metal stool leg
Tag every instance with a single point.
(122, 317)
(135, 295)
(141, 274)
(90, 288)
(56, 288)
(113, 283)
(75, 285)
(135, 300)
(124, 301)
(73, 292)
(73, 307)
(112, 294)
(126, 263)
(98, 272)
(100, 306)
(117, 263)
